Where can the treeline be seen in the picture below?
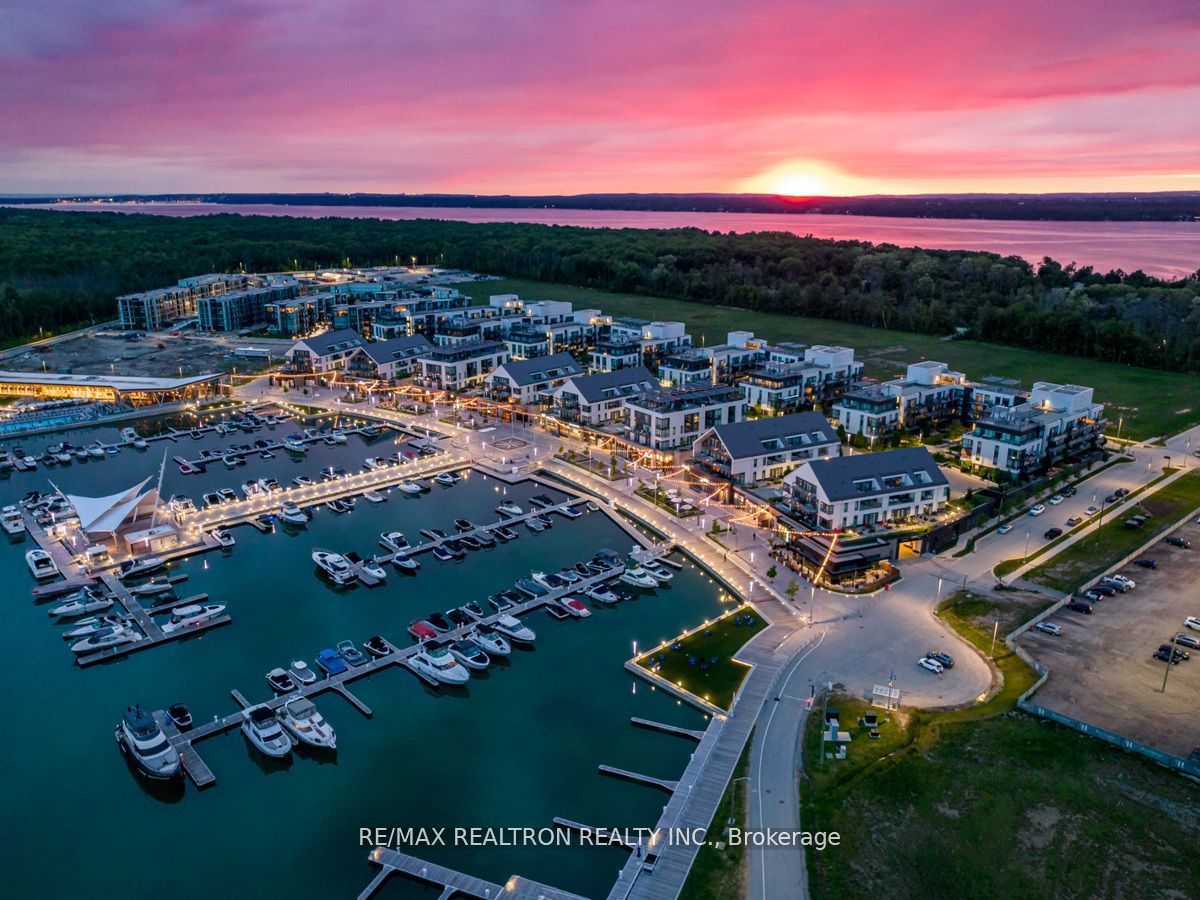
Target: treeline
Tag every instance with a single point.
(59, 269)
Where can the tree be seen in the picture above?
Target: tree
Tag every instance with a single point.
(793, 588)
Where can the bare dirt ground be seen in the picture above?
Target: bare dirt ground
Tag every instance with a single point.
(1101, 670)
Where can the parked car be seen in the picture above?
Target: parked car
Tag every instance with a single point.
(1074, 520)
(1121, 492)
(1005, 528)
(1049, 628)
(1123, 582)
(1163, 656)
(1176, 541)
(1090, 511)
(1146, 563)
(1037, 510)
(1052, 533)
(1179, 654)
(1080, 606)
(1111, 498)
(1188, 640)
(1192, 622)
(1093, 596)
(1070, 491)
(945, 659)
(1056, 499)
(931, 664)
(1103, 589)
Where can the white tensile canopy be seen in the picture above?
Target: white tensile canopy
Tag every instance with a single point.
(104, 515)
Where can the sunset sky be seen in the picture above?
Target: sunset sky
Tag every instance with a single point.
(533, 96)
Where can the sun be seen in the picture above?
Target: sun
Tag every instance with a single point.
(799, 178)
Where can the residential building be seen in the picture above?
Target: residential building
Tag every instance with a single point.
(526, 381)
(388, 360)
(321, 354)
(599, 399)
(794, 378)
(929, 396)
(867, 488)
(462, 366)
(155, 309)
(765, 449)
(666, 419)
(299, 315)
(993, 391)
(634, 342)
(244, 308)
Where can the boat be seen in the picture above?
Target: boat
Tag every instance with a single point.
(222, 537)
(336, 506)
(434, 534)
(447, 479)
(135, 567)
(531, 588)
(368, 566)
(395, 541)
(301, 672)
(128, 434)
(541, 501)
(535, 524)
(371, 463)
(302, 481)
(502, 600)
(460, 617)
(404, 562)
(180, 715)
(142, 740)
(196, 434)
(301, 718)
(292, 515)
(470, 654)
(181, 504)
(40, 563)
(574, 606)
(351, 654)
(505, 533)
(333, 565)
(270, 485)
(569, 511)
(377, 646)
(96, 452)
(250, 489)
(211, 499)
(262, 729)
(81, 603)
(82, 453)
(549, 582)
(105, 638)
(228, 495)
(370, 430)
(468, 541)
(337, 437)
(231, 461)
(639, 577)
(409, 487)
(151, 588)
(295, 443)
(439, 664)
(544, 519)
(331, 662)
(442, 553)
(570, 576)
(140, 443)
(422, 630)
(440, 621)
(514, 629)
(464, 525)
(601, 594)
(184, 617)
(487, 640)
(591, 506)
(62, 456)
(374, 496)
(509, 508)
(557, 612)
(12, 520)
(92, 624)
(583, 570)
(474, 610)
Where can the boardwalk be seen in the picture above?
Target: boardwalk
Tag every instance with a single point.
(455, 883)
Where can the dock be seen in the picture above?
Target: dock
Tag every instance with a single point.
(455, 883)
(602, 836)
(650, 725)
(638, 778)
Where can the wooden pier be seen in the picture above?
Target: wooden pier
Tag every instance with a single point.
(603, 836)
(638, 778)
(453, 882)
(663, 727)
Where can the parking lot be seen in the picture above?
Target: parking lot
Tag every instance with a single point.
(1102, 669)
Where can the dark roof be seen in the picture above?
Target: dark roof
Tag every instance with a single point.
(541, 368)
(840, 477)
(618, 383)
(398, 348)
(333, 341)
(755, 437)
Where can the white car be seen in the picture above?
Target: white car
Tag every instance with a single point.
(1056, 499)
(1005, 528)
(1049, 628)
(1192, 622)
(931, 664)
(1090, 511)
(1037, 510)
(1127, 584)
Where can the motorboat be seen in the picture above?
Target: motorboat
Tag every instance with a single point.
(574, 606)
(544, 519)
(302, 481)
(212, 498)
(583, 570)
(228, 495)
(333, 565)
(470, 654)
(222, 536)
(503, 600)
(81, 603)
(351, 654)
(292, 515)
(196, 434)
(601, 594)
(570, 576)
(422, 630)
(460, 617)
(569, 511)
(81, 453)
(368, 566)
(180, 715)
(281, 681)
(377, 646)
(439, 664)
(409, 487)
(395, 541)
(474, 610)
(136, 567)
(591, 506)
(337, 437)
(270, 485)
(181, 504)
(505, 533)
(142, 740)
(305, 722)
(464, 525)
(509, 508)
(446, 479)
(141, 443)
(514, 629)
(113, 636)
(151, 588)
(535, 524)
(250, 489)
(128, 434)
(262, 729)
(93, 624)
(541, 501)
(40, 563)
(484, 540)
(370, 430)
(639, 577)
(404, 562)
(63, 456)
(440, 621)
(549, 582)
(658, 572)
(231, 461)
(336, 506)
(301, 672)
(487, 640)
(184, 617)
(96, 452)
(468, 541)
(12, 520)
(556, 612)
(372, 463)
(331, 662)
(295, 443)
(531, 588)
(374, 497)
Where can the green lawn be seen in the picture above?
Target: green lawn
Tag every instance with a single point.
(1152, 403)
(692, 666)
(1112, 541)
(719, 873)
(987, 802)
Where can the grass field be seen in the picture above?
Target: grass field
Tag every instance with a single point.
(987, 802)
(703, 664)
(1151, 403)
(1112, 541)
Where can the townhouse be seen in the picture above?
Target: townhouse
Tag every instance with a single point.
(526, 381)
(599, 399)
(766, 449)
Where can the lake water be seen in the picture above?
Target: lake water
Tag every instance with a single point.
(1165, 249)
(518, 747)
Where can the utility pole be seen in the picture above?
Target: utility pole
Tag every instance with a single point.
(995, 631)
(1170, 661)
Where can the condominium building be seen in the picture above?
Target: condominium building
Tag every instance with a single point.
(599, 399)
(793, 378)
(666, 419)
(322, 353)
(244, 308)
(765, 449)
(526, 381)
(634, 342)
(158, 308)
(460, 367)
(388, 360)
(928, 396)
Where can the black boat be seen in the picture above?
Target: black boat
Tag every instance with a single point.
(485, 540)
(377, 646)
(464, 525)
(469, 542)
(180, 716)
(473, 609)
(459, 617)
(455, 548)
(440, 621)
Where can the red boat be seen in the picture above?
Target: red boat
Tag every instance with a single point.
(422, 630)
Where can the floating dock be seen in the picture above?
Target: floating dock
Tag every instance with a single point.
(454, 883)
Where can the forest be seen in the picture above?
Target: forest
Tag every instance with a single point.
(60, 270)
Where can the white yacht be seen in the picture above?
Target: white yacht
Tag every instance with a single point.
(222, 537)
(250, 489)
(446, 478)
(135, 567)
(40, 563)
(440, 665)
(336, 437)
(292, 515)
(96, 451)
(302, 672)
(301, 718)
(371, 463)
(409, 487)
(262, 729)
(404, 562)
(639, 577)
(395, 541)
(470, 654)
(141, 443)
(514, 629)
(334, 565)
(658, 572)
(140, 738)
(180, 504)
(374, 497)
(81, 603)
(489, 641)
(509, 508)
(151, 588)
(128, 434)
(573, 606)
(89, 626)
(601, 594)
(184, 617)
(295, 443)
(113, 636)
(12, 520)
